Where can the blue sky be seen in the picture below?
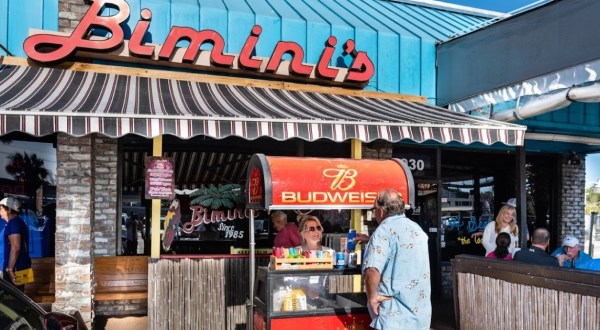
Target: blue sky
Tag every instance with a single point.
(495, 5)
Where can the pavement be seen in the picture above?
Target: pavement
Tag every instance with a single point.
(442, 319)
(120, 323)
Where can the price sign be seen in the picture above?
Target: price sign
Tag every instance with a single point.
(160, 180)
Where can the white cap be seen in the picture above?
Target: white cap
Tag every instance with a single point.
(11, 202)
(511, 202)
(570, 241)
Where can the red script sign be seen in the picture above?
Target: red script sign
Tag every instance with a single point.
(54, 48)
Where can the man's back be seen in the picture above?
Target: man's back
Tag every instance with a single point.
(535, 255)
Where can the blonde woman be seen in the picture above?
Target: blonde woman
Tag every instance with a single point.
(311, 232)
(505, 223)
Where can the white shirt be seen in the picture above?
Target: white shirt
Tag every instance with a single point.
(489, 238)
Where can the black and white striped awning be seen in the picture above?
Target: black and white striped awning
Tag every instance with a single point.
(41, 101)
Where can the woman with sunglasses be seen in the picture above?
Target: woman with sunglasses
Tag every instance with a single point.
(311, 232)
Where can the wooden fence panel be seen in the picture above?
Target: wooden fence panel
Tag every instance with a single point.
(198, 293)
(495, 294)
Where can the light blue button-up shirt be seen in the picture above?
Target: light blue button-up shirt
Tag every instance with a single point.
(398, 250)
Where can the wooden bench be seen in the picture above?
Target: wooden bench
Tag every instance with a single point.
(117, 278)
(121, 278)
(41, 290)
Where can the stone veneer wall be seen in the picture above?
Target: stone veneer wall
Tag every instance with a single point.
(86, 215)
(106, 225)
(70, 13)
(572, 217)
(74, 211)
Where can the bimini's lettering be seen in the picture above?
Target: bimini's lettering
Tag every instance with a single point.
(47, 48)
(201, 215)
(328, 197)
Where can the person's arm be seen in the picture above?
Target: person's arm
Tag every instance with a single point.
(372, 278)
(487, 238)
(361, 238)
(15, 248)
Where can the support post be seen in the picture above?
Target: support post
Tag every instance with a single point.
(156, 239)
(521, 197)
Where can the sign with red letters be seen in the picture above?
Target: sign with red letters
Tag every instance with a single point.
(54, 47)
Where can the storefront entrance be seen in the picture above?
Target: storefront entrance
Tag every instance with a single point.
(426, 213)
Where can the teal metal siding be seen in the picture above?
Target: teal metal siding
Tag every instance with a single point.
(578, 119)
(399, 38)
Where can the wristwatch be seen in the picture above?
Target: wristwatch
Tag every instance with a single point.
(9, 270)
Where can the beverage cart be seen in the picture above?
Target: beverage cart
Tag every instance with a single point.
(315, 294)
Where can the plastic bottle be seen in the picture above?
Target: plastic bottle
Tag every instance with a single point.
(278, 299)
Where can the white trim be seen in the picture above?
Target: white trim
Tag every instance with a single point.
(452, 7)
(562, 138)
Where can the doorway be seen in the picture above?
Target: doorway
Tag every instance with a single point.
(426, 213)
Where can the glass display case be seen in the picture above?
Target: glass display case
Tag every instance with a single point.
(317, 299)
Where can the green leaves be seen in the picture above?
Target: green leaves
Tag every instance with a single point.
(227, 196)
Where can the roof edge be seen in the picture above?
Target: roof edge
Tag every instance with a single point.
(452, 7)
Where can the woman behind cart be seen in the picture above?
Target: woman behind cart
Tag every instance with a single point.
(311, 232)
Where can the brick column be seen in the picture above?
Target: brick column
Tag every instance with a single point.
(106, 224)
(70, 13)
(573, 201)
(74, 210)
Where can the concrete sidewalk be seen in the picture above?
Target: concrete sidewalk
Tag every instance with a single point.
(121, 323)
(442, 319)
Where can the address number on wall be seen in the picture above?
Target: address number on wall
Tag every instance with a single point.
(414, 164)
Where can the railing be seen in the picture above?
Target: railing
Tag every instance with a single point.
(498, 294)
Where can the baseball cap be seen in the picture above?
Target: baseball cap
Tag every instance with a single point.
(570, 241)
(511, 202)
(11, 202)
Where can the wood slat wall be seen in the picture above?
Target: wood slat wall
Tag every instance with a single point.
(198, 293)
(494, 294)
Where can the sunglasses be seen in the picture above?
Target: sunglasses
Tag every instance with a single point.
(312, 228)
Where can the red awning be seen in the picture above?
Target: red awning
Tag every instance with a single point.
(323, 183)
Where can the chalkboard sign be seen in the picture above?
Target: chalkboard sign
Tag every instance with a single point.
(160, 180)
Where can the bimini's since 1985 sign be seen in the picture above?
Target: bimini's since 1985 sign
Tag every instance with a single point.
(52, 47)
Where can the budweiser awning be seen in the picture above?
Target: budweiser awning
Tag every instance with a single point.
(44, 100)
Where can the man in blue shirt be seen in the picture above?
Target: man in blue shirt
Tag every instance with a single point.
(396, 268)
(571, 251)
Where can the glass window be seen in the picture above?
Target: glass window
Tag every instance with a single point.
(28, 172)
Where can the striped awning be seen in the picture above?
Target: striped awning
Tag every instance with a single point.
(43, 100)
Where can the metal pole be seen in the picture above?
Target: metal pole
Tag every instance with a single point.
(593, 217)
(250, 302)
(521, 197)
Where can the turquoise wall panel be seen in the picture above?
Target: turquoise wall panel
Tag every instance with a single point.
(239, 15)
(161, 19)
(3, 25)
(50, 15)
(19, 18)
(398, 37)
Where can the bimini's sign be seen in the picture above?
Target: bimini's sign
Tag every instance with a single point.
(54, 47)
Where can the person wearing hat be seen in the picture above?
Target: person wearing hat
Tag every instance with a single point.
(505, 223)
(16, 240)
(570, 253)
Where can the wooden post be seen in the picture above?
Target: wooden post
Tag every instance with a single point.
(355, 215)
(155, 224)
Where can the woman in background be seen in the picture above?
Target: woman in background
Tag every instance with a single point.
(505, 223)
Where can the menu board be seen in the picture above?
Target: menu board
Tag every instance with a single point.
(160, 179)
